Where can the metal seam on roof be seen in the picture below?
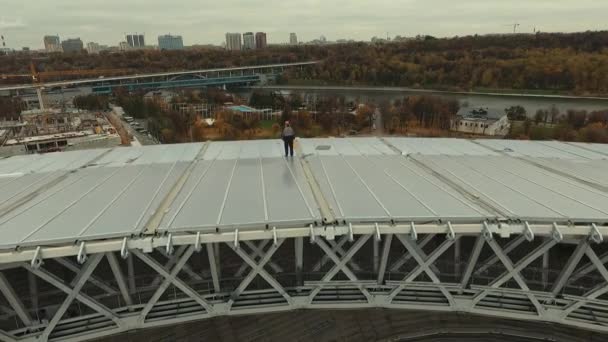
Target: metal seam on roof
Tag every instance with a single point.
(513, 189)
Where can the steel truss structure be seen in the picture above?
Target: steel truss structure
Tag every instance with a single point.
(502, 267)
(486, 269)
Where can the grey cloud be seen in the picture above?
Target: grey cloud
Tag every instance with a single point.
(205, 21)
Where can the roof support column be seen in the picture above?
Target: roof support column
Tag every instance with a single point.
(457, 258)
(120, 279)
(472, 263)
(575, 258)
(131, 273)
(299, 250)
(213, 266)
(386, 248)
(33, 287)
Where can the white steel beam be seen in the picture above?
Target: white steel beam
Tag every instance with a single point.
(187, 269)
(336, 248)
(376, 253)
(341, 265)
(424, 265)
(70, 265)
(120, 279)
(171, 278)
(299, 256)
(457, 258)
(5, 337)
(599, 265)
(511, 245)
(258, 252)
(566, 272)
(147, 242)
(170, 262)
(84, 299)
(386, 248)
(33, 287)
(466, 277)
(13, 299)
(404, 258)
(213, 267)
(589, 267)
(81, 278)
(514, 270)
(518, 278)
(131, 273)
(258, 269)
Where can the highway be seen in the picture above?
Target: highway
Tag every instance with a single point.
(152, 75)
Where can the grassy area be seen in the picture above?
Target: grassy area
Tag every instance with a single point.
(267, 124)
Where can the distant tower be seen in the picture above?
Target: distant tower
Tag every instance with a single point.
(260, 40)
(293, 39)
(233, 42)
(248, 41)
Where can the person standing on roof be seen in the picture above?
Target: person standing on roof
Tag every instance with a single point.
(288, 135)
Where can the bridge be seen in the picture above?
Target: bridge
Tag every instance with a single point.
(101, 242)
(246, 75)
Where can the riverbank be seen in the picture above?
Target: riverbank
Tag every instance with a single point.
(505, 93)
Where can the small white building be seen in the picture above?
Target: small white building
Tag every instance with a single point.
(482, 121)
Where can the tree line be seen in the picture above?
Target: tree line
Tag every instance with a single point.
(575, 63)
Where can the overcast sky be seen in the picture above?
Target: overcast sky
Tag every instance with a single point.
(25, 22)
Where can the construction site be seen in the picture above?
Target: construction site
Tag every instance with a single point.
(50, 123)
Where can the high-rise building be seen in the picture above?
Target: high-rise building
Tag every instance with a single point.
(93, 47)
(72, 45)
(52, 44)
(170, 42)
(293, 39)
(136, 41)
(233, 42)
(260, 40)
(248, 41)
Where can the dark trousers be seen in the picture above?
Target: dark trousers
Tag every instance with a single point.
(288, 141)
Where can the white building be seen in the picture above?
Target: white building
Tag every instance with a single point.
(233, 42)
(482, 121)
(248, 41)
(293, 39)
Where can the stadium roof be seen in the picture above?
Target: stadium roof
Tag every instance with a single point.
(64, 198)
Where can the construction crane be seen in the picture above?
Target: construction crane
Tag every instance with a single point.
(515, 26)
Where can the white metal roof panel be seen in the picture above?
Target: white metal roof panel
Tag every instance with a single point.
(597, 148)
(439, 146)
(591, 171)
(523, 191)
(345, 146)
(153, 154)
(538, 149)
(383, 187)
(49, 162)
(245, 184)
(95, 202)
(230, 150)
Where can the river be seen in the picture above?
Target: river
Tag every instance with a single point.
(531, 102)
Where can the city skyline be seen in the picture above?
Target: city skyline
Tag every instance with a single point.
(106, 22)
